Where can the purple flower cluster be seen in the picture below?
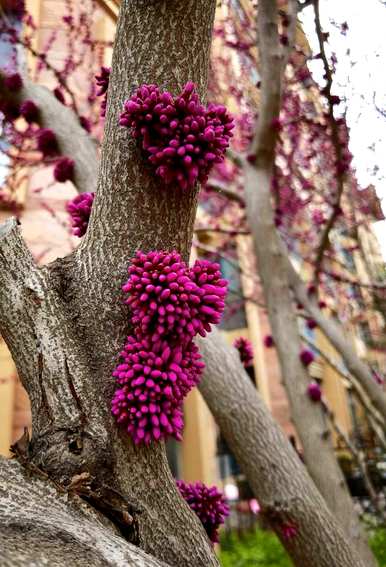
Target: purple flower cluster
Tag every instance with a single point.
(13, 82)
(29, 111)
(46, 142)
(169, 299)
(208, 503)
(64, 169)
(268, 341)
(9, 107)
(244, 346)
(80, 210)
(153, 384)
(314, 392)
(170, 303)
(306, 357)
(289, 530)
(180, 137)
(102, 81)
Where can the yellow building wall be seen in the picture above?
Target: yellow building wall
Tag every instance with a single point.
(334, 389)
(7, 394)
(199, 461)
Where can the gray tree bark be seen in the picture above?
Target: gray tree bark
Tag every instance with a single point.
(272, 265)
(42, 526)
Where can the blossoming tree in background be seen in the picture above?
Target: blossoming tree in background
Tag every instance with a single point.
(96, 458)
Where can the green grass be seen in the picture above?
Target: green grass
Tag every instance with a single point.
(378, 545)
(263, 549)
(258, 549)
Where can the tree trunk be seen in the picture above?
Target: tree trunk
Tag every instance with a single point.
(65, 323)
(42, 526)
(273, 469)
(308, 417)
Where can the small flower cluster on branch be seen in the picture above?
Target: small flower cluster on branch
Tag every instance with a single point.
(170, 304)
(179, 136)
(45, 138)
(102, 81)
(208, 503)
(244, 346)
(80, 211)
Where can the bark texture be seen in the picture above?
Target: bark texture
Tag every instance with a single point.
(272, 265)
(66, 323)
(273, 469)
(42, 526)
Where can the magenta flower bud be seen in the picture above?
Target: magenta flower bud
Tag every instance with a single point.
(10, 109)
(311, 324)
(59, 95)
(208, 503)
(102, 81)
(306, 356)
(80, 210)
(268, 341)
(13, 82)
(29, 111)
(314, 392)
(244, 346)
(47, 142)
(64, 170)
(85, 123)
(288, 530)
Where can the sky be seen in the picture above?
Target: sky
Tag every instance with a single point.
(361, 80)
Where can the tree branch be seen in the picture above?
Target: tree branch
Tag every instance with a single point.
(73, 140)
(352, 362)
(275, 473)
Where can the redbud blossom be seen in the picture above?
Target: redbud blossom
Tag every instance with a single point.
(168, 298)
(154, 379)
(244, 346)
(102, 81)
(314, 392)
(59, 95)
(208, 503)
(29, 111)
(311, 324)
(306, 356)
(13, 82)
(80, 210)
(268, 341)
(47, 142)
(64, 169)
(179, 136)
(288, 530)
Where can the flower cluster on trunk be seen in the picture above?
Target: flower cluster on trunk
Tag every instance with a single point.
(170, 304)
(179, 136)
(79, 209)
(208, 503)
